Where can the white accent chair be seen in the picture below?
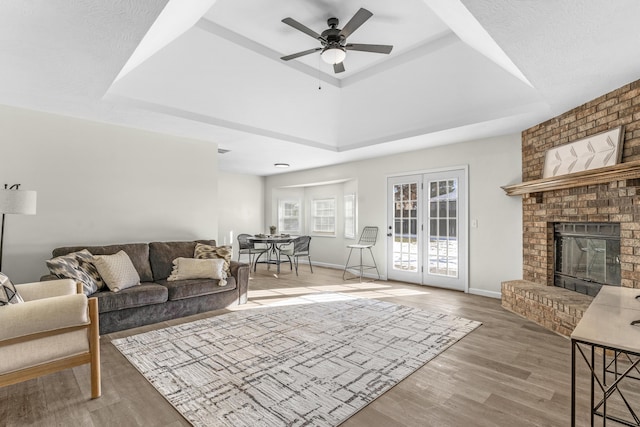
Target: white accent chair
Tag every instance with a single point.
(56, 328)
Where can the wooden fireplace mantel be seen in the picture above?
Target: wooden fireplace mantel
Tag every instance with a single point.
(619, 172)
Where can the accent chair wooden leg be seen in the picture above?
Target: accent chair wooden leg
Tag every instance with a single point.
(94, 349)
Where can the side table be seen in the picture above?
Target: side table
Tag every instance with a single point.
(611, 328)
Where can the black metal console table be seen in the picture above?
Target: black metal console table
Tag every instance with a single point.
(610, 329)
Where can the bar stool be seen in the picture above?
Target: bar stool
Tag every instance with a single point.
(367, 241)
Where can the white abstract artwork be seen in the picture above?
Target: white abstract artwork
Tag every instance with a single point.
(596, 151)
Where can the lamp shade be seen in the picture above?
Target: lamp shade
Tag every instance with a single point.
(333, 55)
(17, 202)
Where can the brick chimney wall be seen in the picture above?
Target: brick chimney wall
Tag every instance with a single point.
(617, 201)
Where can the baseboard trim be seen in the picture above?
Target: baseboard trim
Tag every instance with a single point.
(327, 265)
(341, 268)
(485, 293)
(373, 276)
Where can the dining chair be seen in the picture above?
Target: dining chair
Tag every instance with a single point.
(247, 247)
(367, 240)
(298, 247)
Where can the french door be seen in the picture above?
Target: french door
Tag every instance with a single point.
(427, 229)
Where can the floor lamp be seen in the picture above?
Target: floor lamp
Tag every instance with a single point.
(15, 201)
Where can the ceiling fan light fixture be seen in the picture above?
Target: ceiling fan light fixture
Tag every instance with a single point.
(333, 55)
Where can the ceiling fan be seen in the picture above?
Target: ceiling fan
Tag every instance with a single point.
(334, 40)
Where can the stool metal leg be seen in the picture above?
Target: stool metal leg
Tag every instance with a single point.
(347, 264)
(374, 263)
(361, 266)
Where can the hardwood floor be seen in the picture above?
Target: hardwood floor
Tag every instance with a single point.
(508, 372)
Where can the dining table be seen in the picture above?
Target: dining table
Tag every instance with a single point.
(273, 242)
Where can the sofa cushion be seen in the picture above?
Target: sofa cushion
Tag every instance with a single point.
(138, 253)
(162, 254)
(181, 289)
(144, 294)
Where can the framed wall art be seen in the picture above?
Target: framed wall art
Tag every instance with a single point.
(596, 151)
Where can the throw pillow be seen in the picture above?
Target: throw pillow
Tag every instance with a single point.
(190, 268)
(85, 259)
(117, 271)
(215, 252)
(8, 293)
(77, 266)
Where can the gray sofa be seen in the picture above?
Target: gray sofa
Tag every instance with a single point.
(157, 299)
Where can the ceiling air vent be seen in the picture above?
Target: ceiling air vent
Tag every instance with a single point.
(222, 151)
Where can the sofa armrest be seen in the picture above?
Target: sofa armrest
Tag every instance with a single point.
(52, 288)
(240, 271)
(42, 315)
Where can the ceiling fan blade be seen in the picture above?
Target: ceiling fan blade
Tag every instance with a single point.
(300, 27)
(299, 54)
(358, 19)
(338, 68)
(375, 48)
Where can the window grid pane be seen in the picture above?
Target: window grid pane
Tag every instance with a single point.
(349, 216)
(289, 216)
(324, 216)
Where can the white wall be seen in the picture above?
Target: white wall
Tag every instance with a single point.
(240, 207)
(101, 184)
(495, 247)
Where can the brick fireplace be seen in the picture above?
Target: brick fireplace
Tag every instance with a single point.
(615, 201)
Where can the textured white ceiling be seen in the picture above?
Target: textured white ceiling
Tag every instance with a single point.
(459, 70)
(571, 51)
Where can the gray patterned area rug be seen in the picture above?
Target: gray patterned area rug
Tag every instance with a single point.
(313, 362)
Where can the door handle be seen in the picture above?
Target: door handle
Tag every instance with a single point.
(389, 234)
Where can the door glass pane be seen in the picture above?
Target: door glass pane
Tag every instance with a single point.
(405, 240)
(443, 229)
(442, 212)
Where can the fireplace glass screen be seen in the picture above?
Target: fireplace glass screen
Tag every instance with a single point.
(587, 256)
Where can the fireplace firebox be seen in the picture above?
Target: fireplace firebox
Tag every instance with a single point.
(587, 256)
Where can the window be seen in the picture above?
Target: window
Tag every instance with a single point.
(350, 216)
(323, 217)
(289, 216)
